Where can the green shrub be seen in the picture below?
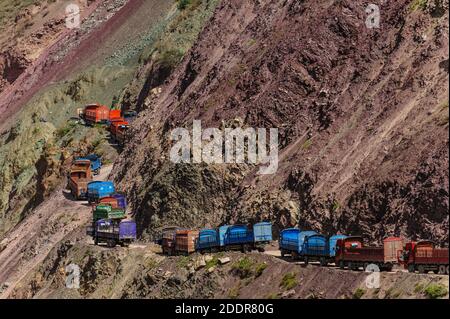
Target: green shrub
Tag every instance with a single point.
(260, 269)
(418, 5)
(419, 287)
(212, 263)
(435, 291)
(183, 4)
(243, 267)
(234, 292)
(358, 293)
(289, 281)
(183, 262)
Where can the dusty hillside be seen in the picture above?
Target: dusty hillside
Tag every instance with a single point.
(362, 113)
(92, 64)
(141, 272)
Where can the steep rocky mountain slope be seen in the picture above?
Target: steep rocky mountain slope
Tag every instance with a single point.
(362, 113)
(94, 63)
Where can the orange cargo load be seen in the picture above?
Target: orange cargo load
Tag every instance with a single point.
(96, 113)
(115, 114)
(185, 241)
(111, 201)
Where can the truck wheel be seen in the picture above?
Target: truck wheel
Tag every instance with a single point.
(389, 267)
(341, 264)
(411, 268)
(323, 262)
(446, 270)
(294, 256)
(306, 260)
(421, 269)
(111, 243)
(442, 269)
(282, 253)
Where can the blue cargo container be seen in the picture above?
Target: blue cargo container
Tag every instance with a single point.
(208, 239)
(121, 200)
(291, 241)
(127, 230)
(301, 237)
(332, 244)
(262, 232)
(243, 237)
(96, 162)
(98, 190)
(315, 245)
(238, 235)
(315, 248)
(222, 234)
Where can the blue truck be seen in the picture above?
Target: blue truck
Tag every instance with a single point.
(112, 232)
(96, 162)
(229, 237)
(308, 246)
(98, 190)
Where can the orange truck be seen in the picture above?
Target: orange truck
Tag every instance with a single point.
(118, 130)
(80, 175)
(96, 113)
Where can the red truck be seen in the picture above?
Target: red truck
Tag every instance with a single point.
(423, 257)
(351, 253)
(96, 113)
(118, 129)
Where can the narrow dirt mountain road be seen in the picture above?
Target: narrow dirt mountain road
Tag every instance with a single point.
(29, 243)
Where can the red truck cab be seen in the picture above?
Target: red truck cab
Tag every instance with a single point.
(423, 256)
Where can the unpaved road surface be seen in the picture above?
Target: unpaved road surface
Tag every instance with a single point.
(31, 241)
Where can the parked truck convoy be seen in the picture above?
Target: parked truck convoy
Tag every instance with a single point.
(109, 225)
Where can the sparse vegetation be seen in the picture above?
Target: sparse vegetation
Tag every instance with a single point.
(243, 267)
(259, 269)
(234, 292)
(63, 131)
(418, 288)
(183, 4)
(336, 206)
(418, 5)
(183, 262)
(212, 263)
(273, 296)
(358, 293)
(435, 291)
(307, 144)
(289, 281)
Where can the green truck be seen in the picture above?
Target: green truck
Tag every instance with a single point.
(107, 212)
